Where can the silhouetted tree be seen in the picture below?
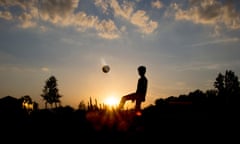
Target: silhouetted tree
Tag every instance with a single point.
(211, 93)
(82, 105)
(26, 100)
(50, 92)
(211, 96)
(228, 87)
(197, 96)
(219, 85)
(27, 103)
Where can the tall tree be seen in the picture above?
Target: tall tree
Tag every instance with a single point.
(228, 87)
(219, 84)
(51, 93)
(232, 87)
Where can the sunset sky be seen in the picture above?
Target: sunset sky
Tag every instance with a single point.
(184, 45)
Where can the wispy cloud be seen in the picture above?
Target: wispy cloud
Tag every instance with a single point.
(17, 68)
(196, 66)
(45, 69)
(218, 41)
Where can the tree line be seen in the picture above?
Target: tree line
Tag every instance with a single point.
(226, 92)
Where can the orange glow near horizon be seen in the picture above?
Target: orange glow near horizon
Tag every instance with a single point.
(111, 101)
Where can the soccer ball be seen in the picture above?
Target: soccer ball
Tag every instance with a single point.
(106, 68)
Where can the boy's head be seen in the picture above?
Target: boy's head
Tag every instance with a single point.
(141, 70)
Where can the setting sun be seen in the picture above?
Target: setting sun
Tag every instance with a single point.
(111, 101)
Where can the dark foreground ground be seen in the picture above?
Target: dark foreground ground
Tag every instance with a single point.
(174, 124)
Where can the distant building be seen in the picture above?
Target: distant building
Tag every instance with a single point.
(9, 102)
(9, 105)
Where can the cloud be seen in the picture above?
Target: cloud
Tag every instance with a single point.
(82, 21)
(157, 4)
(210, 12)
(26, 21)
(142, 21)
(65, 13)
(27, 15)
(230, 17)
(57, 11)
(138, 18)
(6, 15)
(10, 3)
(103, 4)
(107, 29)
(125, 10)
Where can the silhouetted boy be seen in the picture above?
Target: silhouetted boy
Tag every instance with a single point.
(140, 94)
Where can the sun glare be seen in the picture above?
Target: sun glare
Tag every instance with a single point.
(111, 101)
